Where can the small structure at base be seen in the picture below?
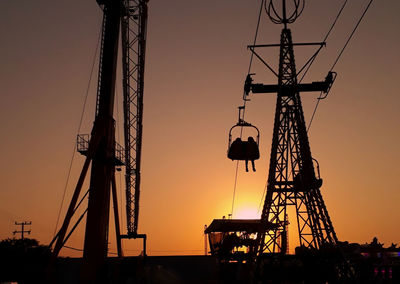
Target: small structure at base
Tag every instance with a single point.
(235, 239)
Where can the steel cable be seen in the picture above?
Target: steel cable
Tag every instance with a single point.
(79, 128)
(351, 35)
(337, 59)
(325, 38)
(244, 104)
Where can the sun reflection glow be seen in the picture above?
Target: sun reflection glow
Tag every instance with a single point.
(247, 213)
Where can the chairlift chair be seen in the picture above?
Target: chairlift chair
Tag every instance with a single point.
(303, 181)
(243, 150)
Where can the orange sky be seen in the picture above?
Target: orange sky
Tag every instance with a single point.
(196, 65)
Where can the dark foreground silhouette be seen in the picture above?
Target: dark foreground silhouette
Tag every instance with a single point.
(24, 261)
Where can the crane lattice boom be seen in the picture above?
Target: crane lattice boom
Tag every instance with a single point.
(134, 25)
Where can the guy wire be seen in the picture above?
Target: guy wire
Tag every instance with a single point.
(79, 128)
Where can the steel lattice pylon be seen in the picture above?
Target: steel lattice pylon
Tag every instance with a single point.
(292, 180)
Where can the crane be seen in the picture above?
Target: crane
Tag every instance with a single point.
(128, 18)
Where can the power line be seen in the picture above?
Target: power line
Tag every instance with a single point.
(325, 38)
(351, 35)
(337, 59)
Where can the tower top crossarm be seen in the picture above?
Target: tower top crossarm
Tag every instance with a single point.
(286, 16)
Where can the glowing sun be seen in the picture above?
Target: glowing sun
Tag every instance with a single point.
(247, 213)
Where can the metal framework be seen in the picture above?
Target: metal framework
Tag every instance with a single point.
(134, 26)
(100, 148)
(133, 38)
(292, 180)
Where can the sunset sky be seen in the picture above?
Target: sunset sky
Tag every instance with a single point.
(196, 63)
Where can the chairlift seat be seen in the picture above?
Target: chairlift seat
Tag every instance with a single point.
(302, 183)
(243, 150)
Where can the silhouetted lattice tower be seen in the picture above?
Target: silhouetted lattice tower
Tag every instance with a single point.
(292, 180)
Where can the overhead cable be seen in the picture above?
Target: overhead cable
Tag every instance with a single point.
(325, 38)
(351, 35)
(337, 59)
(244, 104)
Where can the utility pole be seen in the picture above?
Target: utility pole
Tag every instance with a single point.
(23, 224)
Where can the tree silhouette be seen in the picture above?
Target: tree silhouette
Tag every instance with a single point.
(22, 260)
